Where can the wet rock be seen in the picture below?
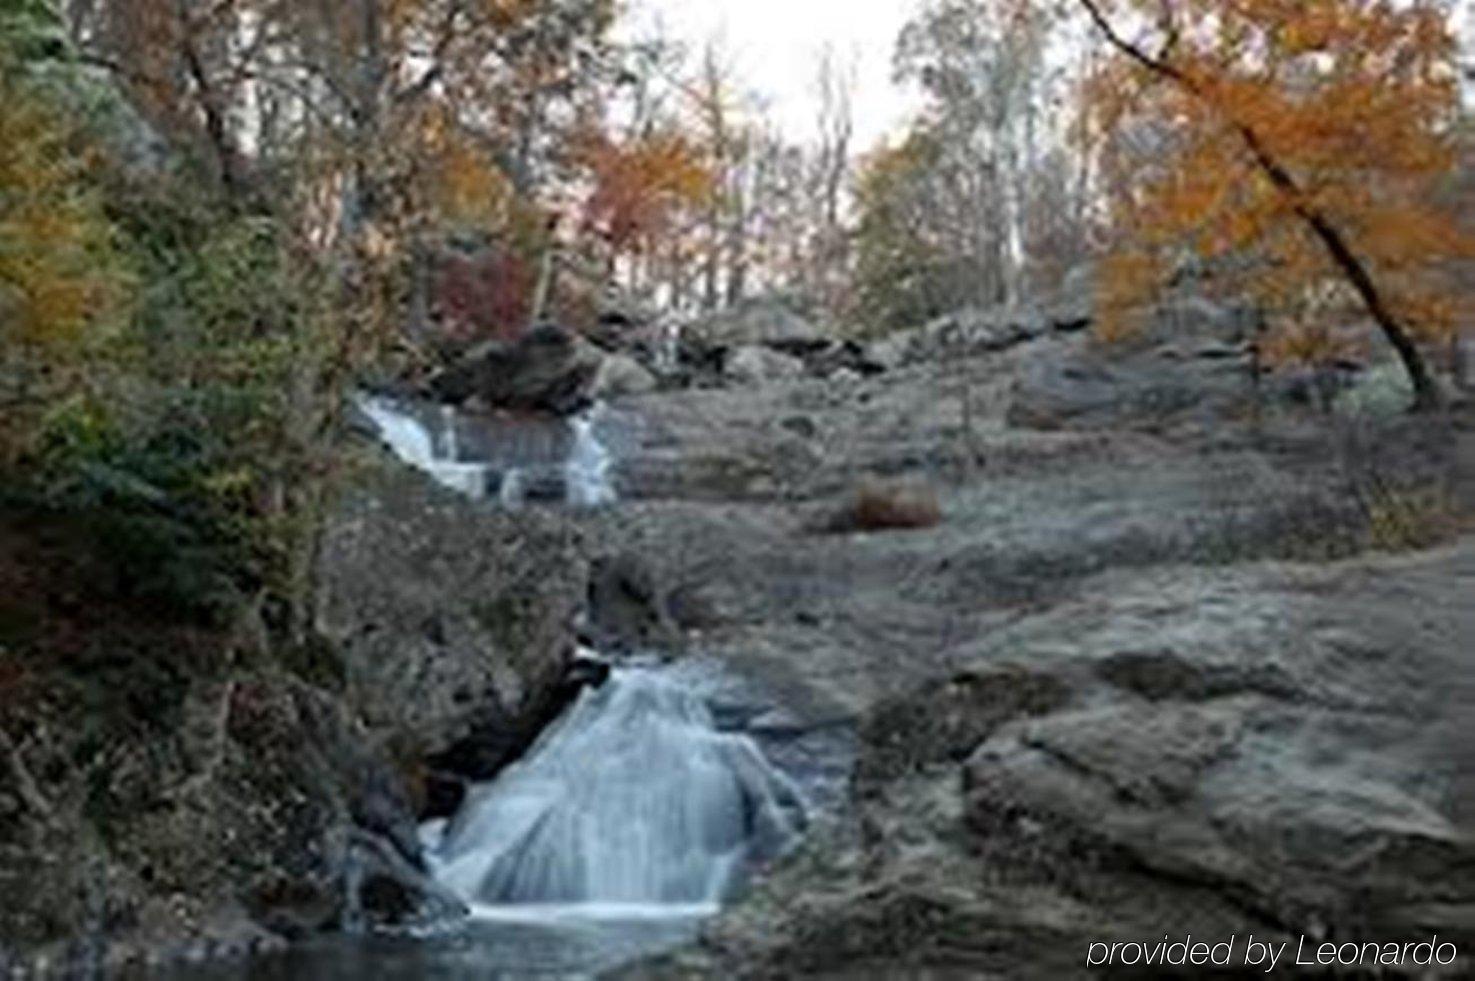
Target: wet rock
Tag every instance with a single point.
(387, 889)
(628, 609)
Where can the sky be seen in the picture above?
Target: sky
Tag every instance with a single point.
(776, 44)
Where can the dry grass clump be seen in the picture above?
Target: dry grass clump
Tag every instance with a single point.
(888, 506)
(1409, 519)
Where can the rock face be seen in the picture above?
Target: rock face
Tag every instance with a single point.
(1192, 361)
(548, 369)
(454, 622)
(1075, 384)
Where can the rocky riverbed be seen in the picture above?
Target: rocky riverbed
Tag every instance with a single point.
(1065, 642)
(1181, 656)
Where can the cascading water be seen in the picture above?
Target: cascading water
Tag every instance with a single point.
(633, 801)
(632, 817)
(413, 444)
(578, 476)
(587, 472)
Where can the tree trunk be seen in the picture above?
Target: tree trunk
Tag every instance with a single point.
(1427, 397)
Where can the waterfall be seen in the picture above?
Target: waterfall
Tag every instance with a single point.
(450, 442)
(587, 471)
(633, 800)
(578, 475)
(513, 493)
(408, 438)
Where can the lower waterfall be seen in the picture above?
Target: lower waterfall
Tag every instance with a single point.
(633, 802)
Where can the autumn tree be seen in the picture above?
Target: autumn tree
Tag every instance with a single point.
(1305, 138)
(61, 279)
(640, 187)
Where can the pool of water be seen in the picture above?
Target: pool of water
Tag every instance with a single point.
(492, 945)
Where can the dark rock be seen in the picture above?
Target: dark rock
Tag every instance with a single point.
(444, 794)
(1164, 675)
(548, 369)
(834, 357)
(947, 720)
(802, 426)
(385, 889)
(628, 609)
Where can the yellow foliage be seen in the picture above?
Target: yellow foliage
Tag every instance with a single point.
(59, 278)
(465, 186)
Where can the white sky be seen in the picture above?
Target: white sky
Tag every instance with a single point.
(775, 44)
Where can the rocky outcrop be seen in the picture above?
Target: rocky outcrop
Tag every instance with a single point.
(974, 331)
(1141, 763)
(756, 322)
(453, 622)
(1086, 385)
(548, 369)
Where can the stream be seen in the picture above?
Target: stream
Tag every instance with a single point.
(630, 820)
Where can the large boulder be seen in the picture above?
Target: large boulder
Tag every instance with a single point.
(548, 369)
(758, 322)
(756, 365)
(1084, 384)
(620, 374)
(453, 622)
(1275, 759)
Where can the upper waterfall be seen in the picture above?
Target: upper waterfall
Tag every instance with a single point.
(412, 442)
(587, 471)
(632, 799)
(509, 460)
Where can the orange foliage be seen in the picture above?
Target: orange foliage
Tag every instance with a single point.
(1353, 103)
(640, 186)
